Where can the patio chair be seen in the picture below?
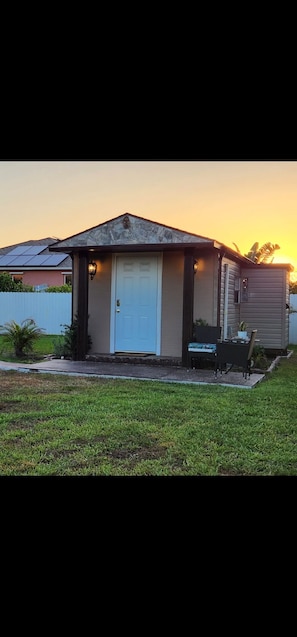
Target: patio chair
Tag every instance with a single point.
(204, 343)
(238, 354)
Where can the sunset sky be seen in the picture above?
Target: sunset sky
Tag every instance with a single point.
(230, 201)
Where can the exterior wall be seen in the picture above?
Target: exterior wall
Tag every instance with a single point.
(40, 277)
(99, 306)
(265, 310)
(205, 289)
(100, 303)
(172, 304)
(49, 277)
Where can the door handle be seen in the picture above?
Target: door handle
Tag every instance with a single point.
(118, 305)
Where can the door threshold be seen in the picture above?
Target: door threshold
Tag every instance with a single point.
(134, 354)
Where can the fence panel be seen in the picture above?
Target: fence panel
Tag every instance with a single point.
(293, 320)
(50, 311)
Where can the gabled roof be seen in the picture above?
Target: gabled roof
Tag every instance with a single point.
(127, 231)
(130, 230)
(33, 254)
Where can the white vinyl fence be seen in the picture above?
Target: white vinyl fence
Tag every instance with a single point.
(293, 320)
(50, 311)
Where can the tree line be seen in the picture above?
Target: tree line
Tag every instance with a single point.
(8, 284)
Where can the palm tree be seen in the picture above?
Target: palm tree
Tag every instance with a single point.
(22, 337)
(265, 254)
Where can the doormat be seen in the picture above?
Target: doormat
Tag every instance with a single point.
(134, 354)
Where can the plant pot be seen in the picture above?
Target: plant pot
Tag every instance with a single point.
(242, 334)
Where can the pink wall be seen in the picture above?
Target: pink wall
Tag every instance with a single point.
(51, 277)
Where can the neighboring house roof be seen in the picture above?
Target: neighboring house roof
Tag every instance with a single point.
(33, 254)
(32, 242)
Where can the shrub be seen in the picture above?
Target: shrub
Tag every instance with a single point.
(259, 357)
(68, 345)
(59, 346)
(22, 337)
(59, 288)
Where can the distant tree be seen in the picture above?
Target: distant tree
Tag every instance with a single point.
(293, 287)
(264, 254)
(7, 284)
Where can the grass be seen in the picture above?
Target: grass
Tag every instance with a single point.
(52, 425)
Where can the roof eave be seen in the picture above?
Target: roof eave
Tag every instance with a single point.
(137, 247)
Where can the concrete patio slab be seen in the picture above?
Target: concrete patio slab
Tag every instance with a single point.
(162, 373)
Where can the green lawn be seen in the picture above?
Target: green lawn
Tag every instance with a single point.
(54, 425)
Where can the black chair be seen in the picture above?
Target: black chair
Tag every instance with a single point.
(204, 343)
(238, 354)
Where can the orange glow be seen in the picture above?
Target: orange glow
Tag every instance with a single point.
(231, 201)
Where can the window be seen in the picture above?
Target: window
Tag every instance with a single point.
(67, 279)
(17, 276)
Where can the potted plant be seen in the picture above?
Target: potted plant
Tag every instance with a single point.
(242, 333)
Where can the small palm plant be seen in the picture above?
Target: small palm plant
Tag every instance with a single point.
(22, 337)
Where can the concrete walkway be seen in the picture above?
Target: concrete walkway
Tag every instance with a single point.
(162, 373)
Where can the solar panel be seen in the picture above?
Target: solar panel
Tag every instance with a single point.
(33, 249)
(31, 258)
(54, 259)
(19, 261)
(15, 251)
(5, 260)
(38, 260)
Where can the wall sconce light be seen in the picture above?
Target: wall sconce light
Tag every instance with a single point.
(195, 266)
(92, 267)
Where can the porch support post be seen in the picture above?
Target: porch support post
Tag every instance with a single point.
(82, 307)
(219, 294)
(188, 302)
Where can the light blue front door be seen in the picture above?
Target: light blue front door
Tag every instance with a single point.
(136, 296)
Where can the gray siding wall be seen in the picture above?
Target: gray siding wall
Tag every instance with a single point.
(265, 310)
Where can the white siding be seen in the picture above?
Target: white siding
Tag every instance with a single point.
(50, 311)
(230, 318)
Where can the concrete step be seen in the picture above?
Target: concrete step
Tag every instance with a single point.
(143, 359)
